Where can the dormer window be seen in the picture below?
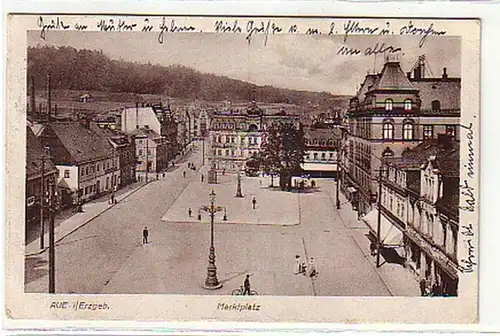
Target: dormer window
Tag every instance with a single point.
(436, 105)
(408, 104)
(388, 104)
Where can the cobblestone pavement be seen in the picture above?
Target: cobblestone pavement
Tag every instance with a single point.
(107, 255)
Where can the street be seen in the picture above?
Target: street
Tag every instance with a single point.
(107, 254)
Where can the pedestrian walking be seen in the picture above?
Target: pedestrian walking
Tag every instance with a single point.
(190, 212)
(297, 267)
(373, 248)
(312, 268)
(183, 174)
(157, 177)
(303, 268)
(145, 234)
(202, 177)
(246, 285)
(254, 203)
(223, 171)
(189, 164)
(423, 287)
(436, 289)
(313, 184)
(163, 175)
(260, 182)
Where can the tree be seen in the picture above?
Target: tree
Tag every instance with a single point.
(282, 151)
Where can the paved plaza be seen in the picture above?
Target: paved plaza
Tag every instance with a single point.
(106, 254)
(273, 207)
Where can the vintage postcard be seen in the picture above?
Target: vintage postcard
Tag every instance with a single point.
(255, 169)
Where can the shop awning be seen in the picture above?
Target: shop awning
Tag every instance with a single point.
(390, 235)
(319, 166)
(352, 190)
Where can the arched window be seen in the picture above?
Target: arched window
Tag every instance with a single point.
(388, 104)
(387, 130)
(408, 104)
(253, 128)
(407, 130)
(436, 105)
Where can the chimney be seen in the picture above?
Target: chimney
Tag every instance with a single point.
(408, 75)
(49, 96)
(416, 73)
(137, 115)
(85, 122)
(33, 103)
(445, 141)
(445, 75)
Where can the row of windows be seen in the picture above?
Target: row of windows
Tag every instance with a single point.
(91, 169)
(231, 152)
(232, 139)
(231, 125)
(409, 131)
(408, 104)
(329, 142)
(316, 156)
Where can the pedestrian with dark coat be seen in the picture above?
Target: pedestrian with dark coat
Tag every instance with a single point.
(145, 234)
(423, 287)
(163, 175)
(202, 177)
(183, 174)
(254, 203)
(246, 285)
(436, 289)
(190, 212)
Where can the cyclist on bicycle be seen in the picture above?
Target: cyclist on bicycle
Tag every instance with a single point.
(246, 285)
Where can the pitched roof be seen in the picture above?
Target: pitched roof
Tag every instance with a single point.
(322, 133)
(392, 77)
(447, 91)
(446, 159)
(34, 154)
(76, 143)
(366, 86)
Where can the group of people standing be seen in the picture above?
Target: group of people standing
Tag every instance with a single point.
(302, 268)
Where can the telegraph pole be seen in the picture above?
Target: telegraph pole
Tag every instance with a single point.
(147, 157)
(52, 262)
(379, 214)
(113, 183)
(42, 193)
(203, 151)
(49, 96)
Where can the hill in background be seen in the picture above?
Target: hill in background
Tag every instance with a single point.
(92, 70)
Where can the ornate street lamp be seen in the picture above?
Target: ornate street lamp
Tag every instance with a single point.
(211, 282)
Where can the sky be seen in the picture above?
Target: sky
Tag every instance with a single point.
(299, 62)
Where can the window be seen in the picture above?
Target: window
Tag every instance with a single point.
(98, 167)
(428, 131)
(232, 152)
(387, 130)
(388, 104)
(323, 156)
(86, 170)
(450, 130)
(66, 173)
(227, 139)
(82, 171)
(315, 156)
(140, 152)
(220, 151)
(436, 105)
(227, 152)
(219, 139)
(408, 104)
(407, 131)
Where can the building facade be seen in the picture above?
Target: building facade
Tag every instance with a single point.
(320, 159)
(393, 111)
(151, 151)
(236, 135)
(38, 164)
(85, 160)
(419, 208)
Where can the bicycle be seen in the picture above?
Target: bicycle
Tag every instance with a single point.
(241, 290)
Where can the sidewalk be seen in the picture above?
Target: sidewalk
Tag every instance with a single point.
(399, 280)
(274, 207)
(91, 210)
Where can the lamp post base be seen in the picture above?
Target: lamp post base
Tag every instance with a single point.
(211, 281)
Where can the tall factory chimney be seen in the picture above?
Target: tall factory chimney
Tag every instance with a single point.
(33, 103)
(49, 97)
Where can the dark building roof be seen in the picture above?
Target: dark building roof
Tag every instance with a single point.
(322, 133)
(446, 91)
(72, 143)
(392, 77)
(34, 154)
(366, 86)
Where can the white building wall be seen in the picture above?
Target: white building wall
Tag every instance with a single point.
(72, 180)
(142, 116)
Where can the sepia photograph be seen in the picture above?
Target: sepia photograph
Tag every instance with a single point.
(262, 158)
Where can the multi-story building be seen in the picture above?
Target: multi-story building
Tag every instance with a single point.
(38, 164)
(236, 135)
(420, 210)
(85, 160)
(393, 111)
(151, 150)
(124, 147)
(320, 159)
